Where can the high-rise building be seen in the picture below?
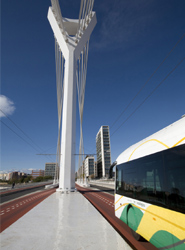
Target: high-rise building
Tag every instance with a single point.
(103, 152)
(89, 166)
(51, 169)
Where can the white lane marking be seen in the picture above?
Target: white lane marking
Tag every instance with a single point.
(110, 203)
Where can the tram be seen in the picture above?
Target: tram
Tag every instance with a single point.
(150, 187)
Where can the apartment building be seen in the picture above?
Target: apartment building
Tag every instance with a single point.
(103, 152)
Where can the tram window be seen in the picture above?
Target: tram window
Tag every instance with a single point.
(157, 179)
(175, 173)
(142, 179)
(176, 189)
(118, 179)
(150, 176)
(158, 182)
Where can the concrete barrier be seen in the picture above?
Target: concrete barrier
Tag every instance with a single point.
(103, 183)
(51, 186)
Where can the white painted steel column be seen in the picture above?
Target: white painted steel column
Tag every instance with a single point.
(67, 168)
(71, 52)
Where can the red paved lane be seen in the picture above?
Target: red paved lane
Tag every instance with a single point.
(104, 202)
(13, 210)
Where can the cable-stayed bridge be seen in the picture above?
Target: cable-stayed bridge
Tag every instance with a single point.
(64, 221)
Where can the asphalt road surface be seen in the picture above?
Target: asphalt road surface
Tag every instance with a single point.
(15, 193)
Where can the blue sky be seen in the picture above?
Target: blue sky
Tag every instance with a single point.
(129, 42)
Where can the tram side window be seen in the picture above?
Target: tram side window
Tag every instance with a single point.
(157, 179)
(130, 180)
(126, 179)
(142, 179)
(150, 173)
(176, 189)
(175, 174)
(119, 182)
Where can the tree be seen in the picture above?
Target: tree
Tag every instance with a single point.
(92, 176)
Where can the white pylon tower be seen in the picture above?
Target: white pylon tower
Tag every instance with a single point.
(71, 51)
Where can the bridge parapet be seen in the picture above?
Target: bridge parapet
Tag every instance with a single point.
(103, 183)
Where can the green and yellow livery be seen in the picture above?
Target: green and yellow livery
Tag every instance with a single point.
(150, 188)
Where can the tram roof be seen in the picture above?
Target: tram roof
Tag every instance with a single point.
(168, 137)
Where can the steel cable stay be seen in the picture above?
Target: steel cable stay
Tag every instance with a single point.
(58, 14)
(79, 20)
(20, 130)
(19, 136)
(144, 86)
(79, 82)
(147, 80)
(88, 11)
(148, 96)
(81, 72)
(28, 137)
(85, 15)
(59, 61)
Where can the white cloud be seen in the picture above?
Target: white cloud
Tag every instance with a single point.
(6, 105)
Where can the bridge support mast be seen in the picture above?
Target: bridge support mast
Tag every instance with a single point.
(68, 145)
(71, 39)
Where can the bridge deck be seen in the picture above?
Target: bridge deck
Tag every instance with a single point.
(62, 221)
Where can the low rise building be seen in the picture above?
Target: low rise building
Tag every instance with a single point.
(89, 166)
(37, 173)
(3, 176)
(16, 175)
(80, 172)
